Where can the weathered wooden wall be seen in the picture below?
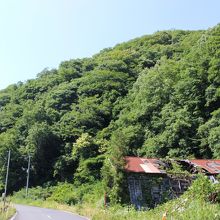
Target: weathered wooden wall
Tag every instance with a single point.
(147, 190)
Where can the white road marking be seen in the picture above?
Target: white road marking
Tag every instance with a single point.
(77, 215)
(13, 217)
(49, 216)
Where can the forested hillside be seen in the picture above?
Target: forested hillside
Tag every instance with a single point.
(156, 96)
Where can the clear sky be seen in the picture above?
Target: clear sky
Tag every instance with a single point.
(35, 34)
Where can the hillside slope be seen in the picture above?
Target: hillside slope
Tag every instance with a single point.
(157, 95)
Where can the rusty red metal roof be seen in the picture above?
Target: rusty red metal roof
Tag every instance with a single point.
(152, 165)
(211, 166)
(142, 165)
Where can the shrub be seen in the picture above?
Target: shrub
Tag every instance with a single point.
(64, 193)
(37, 193)
(202, 188)
(92, 193)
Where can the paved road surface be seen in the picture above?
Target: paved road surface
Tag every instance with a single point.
(34, 213)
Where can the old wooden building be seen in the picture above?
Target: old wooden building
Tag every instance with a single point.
(151, 183)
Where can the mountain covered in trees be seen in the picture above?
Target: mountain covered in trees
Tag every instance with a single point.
(155, 96)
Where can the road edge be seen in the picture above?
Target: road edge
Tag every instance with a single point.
(73, 213)
(14, 216)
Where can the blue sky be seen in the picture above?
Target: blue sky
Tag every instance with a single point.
(35, 34)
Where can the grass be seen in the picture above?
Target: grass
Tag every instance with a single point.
(193, 205)
(195, 210)
(179, 209)
(7, 212)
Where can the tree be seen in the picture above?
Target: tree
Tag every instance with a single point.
(43, 146)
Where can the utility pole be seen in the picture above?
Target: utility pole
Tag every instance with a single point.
(28, 174)
(6, 178)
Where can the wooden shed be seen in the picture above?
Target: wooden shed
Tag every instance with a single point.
(150, 184)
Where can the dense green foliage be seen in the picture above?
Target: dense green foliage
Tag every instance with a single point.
(158, 95)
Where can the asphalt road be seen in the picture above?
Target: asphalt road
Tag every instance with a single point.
(35, 213)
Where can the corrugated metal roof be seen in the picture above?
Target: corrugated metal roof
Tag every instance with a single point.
(142, 165)
(211, 166)
(149, 165)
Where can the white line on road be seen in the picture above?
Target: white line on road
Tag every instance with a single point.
(77, 215)
(49, 216)
(14, 216)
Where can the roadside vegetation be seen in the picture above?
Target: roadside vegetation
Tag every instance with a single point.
(7, 210)
(200, 202)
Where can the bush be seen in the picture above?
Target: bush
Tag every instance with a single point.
(37, 193)
(202, 188)
(92, 193)
(64, 193)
